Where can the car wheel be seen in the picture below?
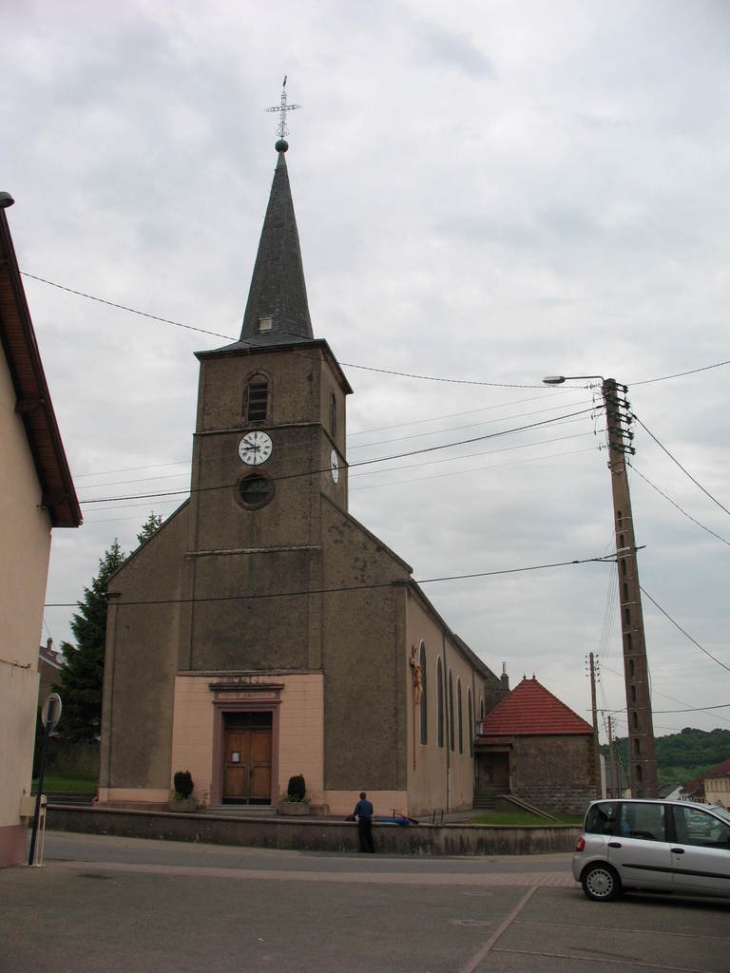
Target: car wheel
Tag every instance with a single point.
(601, 882)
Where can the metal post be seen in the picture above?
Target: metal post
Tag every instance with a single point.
(41, 774)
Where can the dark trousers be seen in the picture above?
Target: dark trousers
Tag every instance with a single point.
(365, 833)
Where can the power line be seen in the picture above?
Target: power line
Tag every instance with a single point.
(344, 588)
(686, 634)
(686, 472)
(369, 368)
(675, 504)
(368, 462)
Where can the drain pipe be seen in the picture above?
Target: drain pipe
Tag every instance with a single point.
(447, 734)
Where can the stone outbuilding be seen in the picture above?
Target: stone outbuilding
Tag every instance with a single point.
(533, 746)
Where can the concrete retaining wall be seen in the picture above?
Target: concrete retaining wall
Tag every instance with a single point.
(317, 834)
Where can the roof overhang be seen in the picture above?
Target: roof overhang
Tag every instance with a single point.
(33, 399)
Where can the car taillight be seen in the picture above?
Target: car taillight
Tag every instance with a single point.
(581, 844)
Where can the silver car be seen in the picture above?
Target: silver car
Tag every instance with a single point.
(658, 846)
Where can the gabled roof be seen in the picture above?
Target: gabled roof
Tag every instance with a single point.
(720, 770)
(33, 400)
(530, 709)
(697, 786)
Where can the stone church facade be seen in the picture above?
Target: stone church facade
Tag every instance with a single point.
(263, 632)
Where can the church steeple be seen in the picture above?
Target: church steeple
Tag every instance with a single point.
(277, 311)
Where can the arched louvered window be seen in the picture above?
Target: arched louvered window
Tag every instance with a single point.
(440, 702)
(424, 694)
(256, 405)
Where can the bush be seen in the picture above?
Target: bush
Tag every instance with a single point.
(183, 784)
(296, 789)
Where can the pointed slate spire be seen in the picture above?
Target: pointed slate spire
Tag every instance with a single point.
(277, 311)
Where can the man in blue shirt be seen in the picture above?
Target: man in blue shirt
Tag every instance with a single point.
(364, 814)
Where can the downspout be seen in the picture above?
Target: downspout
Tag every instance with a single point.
(447, 734)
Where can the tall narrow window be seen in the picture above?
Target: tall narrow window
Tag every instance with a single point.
(451, 711)
(440, 702)
(333, 417)
(460, 716)
(257, 399)
(470, 712)
(424, 694)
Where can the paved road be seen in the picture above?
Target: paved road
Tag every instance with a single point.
(114, 905)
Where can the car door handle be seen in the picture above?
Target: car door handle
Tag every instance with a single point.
(615, 844)
(677, 851)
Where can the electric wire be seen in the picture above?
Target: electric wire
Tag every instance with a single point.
(675, 504)
(679, 628)
(682, 468)
(384, 371)
(268, 595)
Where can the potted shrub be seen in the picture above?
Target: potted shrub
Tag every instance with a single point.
(182, 800)
(294, 802)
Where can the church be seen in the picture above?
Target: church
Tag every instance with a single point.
(263, 632)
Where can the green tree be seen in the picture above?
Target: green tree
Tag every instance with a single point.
(82, 676)
(150, 527)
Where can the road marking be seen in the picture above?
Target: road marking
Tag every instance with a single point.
(486, 948)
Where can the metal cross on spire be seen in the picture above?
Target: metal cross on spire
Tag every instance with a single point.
(283, 108)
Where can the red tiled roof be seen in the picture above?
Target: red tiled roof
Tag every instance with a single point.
(720, 770)
(531, 710)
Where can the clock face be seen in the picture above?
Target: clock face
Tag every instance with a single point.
(334, 466)
(255, 448)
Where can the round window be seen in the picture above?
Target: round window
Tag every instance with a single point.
(255, 490)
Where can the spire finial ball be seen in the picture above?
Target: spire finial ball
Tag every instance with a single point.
(282, 145)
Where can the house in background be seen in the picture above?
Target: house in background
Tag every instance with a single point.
(36, 495)
(50, 664)
(712, 787)
(533, 746)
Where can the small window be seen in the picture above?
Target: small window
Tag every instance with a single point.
(333, 417)
(257, 400)
(460, 716)
(264, 325)
(645, 821)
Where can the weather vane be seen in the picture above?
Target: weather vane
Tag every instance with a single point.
(282, 131)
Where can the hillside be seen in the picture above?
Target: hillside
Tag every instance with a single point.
(683, 756)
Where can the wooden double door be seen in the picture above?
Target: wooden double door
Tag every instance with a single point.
(247, 771)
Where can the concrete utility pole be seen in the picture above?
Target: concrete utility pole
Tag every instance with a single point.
(593, 665)
(642, 753)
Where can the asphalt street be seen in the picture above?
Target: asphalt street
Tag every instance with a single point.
(109, 905)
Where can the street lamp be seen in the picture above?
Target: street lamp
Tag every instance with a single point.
(642, 754)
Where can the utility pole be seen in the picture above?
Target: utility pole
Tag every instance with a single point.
(642, 753)
(593, 665)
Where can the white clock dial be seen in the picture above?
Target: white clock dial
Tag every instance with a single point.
(255, 448)
(334, 466)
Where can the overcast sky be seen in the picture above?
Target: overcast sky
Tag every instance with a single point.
(486, 192)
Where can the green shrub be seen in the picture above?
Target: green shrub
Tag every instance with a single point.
(296, 789)
(183, 784)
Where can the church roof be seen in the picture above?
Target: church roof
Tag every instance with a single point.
(530, 709)
(277, 311)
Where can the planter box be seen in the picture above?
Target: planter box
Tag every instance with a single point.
(293, 807)
(185, 805)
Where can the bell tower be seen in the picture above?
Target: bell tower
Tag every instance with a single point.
(269, 442)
